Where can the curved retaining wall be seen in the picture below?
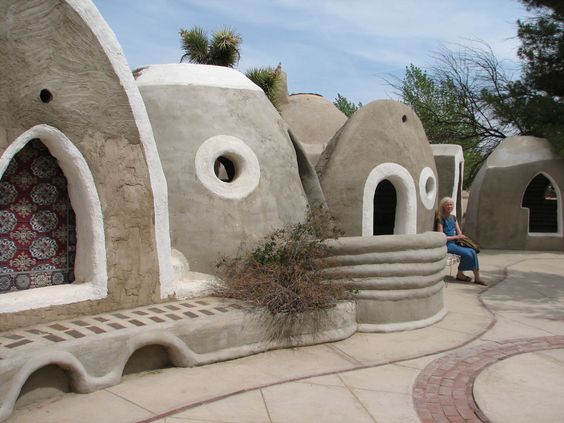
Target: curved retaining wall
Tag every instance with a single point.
(397, 280)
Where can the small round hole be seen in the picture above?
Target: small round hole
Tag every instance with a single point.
(404, 118)
(224, 169)
(45, 95)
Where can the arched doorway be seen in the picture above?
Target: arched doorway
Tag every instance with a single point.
(37, 222)
(398, 179)
(385, 202)
(541, 198)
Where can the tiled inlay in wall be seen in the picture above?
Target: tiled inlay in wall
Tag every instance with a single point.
(81, 327)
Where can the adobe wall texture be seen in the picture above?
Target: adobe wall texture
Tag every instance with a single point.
(383, 131)
(47, 44)
(314, 120)
(190, 104)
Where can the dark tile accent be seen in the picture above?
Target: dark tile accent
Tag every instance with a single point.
(96, 329)
(222, 309)
(237, 306)
(54, 338)
(173, 316)
(120, 316)
(101, 319)
(156, 310)
(156, 319)
(190, 314)
(137, 322)
(116, 325)
(12, 336)
(188, 305)
(209, 313)
(18, 344)
(80, 323)
(57, 326)
(75, 334)
(201, 302)
(172, 307)
(140, 312)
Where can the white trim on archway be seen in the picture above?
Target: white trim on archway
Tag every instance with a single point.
(90, 268)
(406, 207)
(109, 43)
(558, 232)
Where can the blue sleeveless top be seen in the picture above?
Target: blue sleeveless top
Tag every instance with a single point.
(449, 226)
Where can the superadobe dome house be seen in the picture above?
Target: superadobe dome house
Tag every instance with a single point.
(378, 173)
(83, 196)
(232, 169)
(516, 199)
(313, 119)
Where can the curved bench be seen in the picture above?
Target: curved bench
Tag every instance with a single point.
(397, 280)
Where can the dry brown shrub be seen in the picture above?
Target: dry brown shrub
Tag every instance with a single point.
(283, 274)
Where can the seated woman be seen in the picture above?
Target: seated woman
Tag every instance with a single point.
(447, 223)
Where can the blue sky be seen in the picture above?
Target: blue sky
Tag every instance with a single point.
(326, 46)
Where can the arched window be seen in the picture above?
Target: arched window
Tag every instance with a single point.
(385, 202)
(37, 222)
(542, 200)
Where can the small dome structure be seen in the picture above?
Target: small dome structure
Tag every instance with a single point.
(378, 174)
(516, 198)
(231, 167)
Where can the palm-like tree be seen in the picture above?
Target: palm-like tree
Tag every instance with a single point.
(269, 79)
(221, 50)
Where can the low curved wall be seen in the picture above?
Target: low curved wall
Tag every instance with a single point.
(397, 280)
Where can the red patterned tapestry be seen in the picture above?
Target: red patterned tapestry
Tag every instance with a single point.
(37, 223)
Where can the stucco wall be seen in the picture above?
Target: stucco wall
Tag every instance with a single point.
(449, 160)
(66, 47)
(190, 104)
(495, 217)
(382, 132)
(314, 120)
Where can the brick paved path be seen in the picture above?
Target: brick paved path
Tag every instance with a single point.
(443, 390)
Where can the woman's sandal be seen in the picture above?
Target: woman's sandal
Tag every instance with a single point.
(480, 283)
(463, 278)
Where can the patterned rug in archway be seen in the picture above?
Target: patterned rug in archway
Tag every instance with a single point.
(37, 223)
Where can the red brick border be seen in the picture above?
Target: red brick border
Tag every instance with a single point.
(443, 390)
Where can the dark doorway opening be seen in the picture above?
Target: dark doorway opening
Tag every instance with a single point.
(541, 200)
(385, 202)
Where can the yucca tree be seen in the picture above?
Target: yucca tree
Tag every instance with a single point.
(270, 80)
(221, 50)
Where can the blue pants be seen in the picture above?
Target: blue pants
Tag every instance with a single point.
(468, 257)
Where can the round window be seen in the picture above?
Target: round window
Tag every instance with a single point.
(228, 167)
(428, 188)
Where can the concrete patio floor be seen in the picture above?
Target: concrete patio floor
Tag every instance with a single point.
(497, 356)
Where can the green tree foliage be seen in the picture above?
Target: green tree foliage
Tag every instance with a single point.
(538, 97)
(458, 101)
(269, 79)
(223, 49)
(346, 106)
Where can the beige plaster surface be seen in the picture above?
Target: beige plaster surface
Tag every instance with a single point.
(538, 392)
(185, 117)
(376, 134)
